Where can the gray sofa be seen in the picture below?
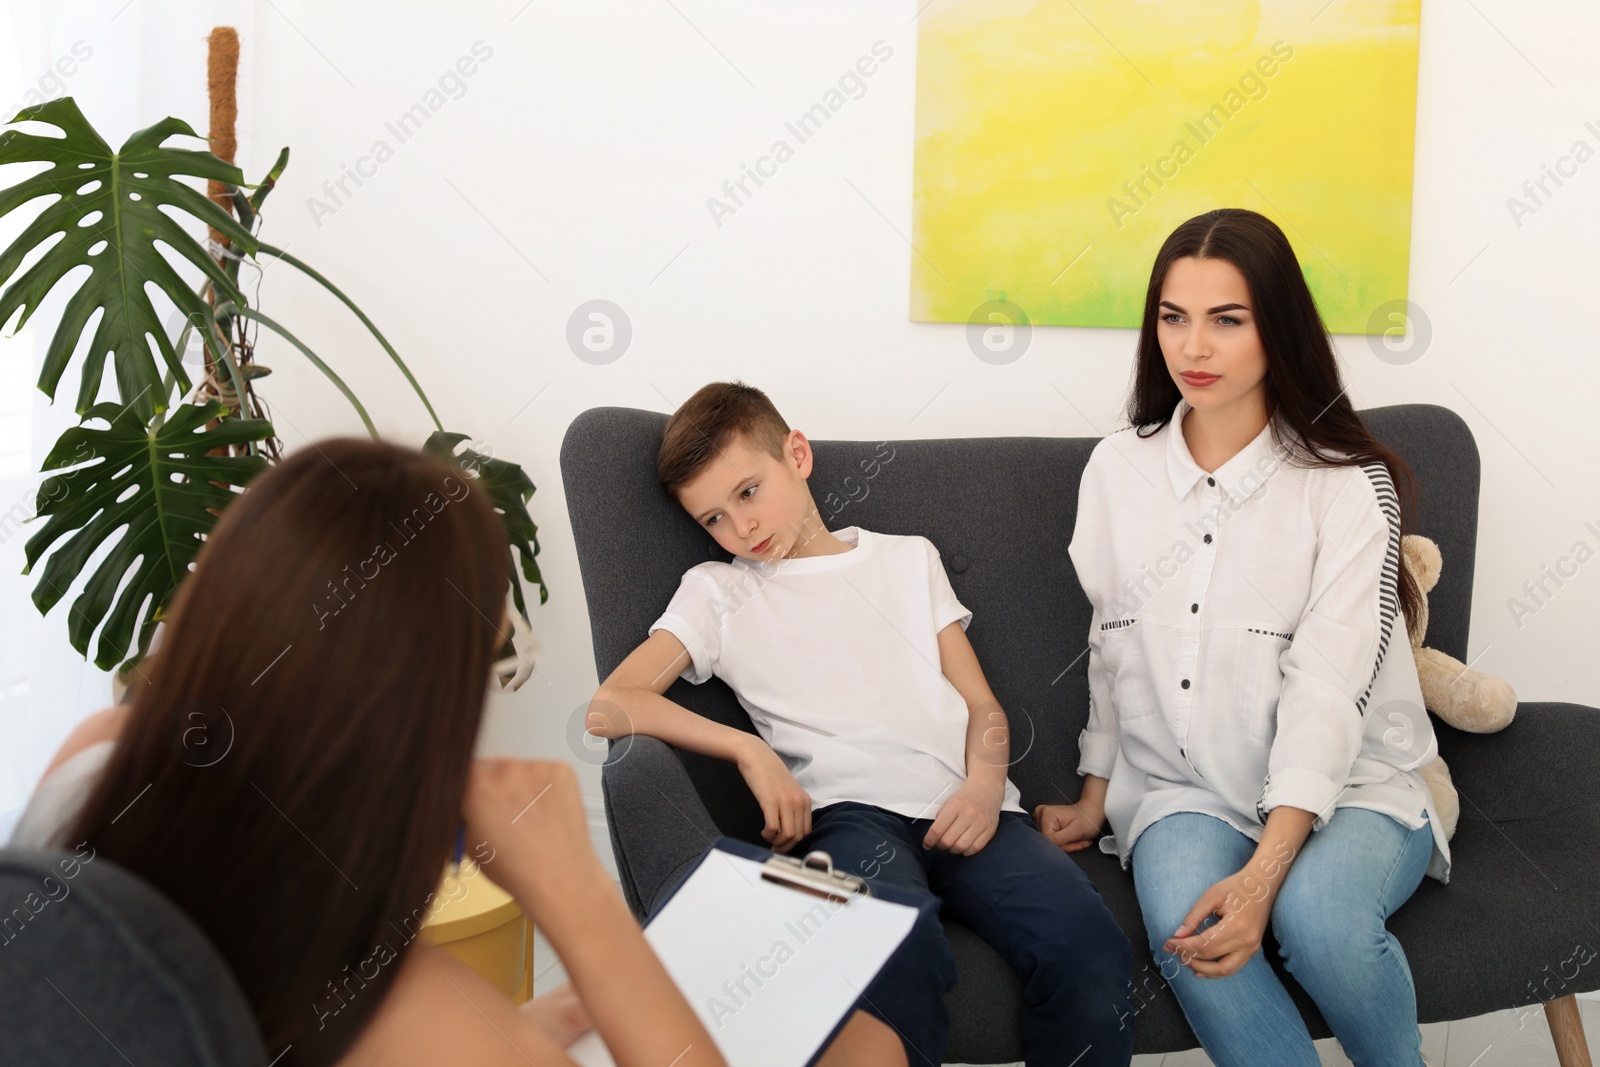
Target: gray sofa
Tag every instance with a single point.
(1516, 926)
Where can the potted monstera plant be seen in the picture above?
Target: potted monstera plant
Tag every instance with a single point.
(149, 472)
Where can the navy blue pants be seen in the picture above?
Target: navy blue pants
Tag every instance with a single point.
(1022, 895)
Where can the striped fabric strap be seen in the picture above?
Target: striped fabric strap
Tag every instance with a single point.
(1389, 583)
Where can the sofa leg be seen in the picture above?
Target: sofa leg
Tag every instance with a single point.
(1566, 1029)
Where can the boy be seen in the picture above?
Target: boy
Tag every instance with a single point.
(880, 741)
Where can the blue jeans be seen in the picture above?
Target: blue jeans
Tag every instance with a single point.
(1329, 922)
(1022, 895)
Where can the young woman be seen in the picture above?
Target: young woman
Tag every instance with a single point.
(297, 759)
(1255, 718)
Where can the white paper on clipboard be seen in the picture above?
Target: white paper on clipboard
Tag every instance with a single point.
(769, 969)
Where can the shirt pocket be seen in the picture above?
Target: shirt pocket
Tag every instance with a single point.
(1247, 678)
(1128, 669)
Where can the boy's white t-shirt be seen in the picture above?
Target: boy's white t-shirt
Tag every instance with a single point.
(836, 660)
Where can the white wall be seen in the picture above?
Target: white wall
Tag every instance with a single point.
(577, 165)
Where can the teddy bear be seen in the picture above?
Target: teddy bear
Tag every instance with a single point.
(1466, 699)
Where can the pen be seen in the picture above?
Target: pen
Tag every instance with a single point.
(461, 844)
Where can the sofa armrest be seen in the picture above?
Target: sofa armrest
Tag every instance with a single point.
(659, 825)
(1507, 776)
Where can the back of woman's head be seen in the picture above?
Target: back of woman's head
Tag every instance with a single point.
(1307, 402)
(292, 767)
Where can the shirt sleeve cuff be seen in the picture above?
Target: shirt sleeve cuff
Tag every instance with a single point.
(949, 612)
(699, 668)
(1097, 754)
(1304, 788)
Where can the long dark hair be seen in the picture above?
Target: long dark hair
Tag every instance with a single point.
(1304, 391)
(292, 767)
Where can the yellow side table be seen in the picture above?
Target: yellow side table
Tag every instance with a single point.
(484, 927)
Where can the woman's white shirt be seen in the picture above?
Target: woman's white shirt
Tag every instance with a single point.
(1247, 647)
(59, 796)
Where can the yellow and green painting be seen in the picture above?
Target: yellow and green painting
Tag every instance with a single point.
(1058, 142)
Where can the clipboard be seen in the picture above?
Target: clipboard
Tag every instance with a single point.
(772, 951)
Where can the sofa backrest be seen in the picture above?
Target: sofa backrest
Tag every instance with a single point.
(1001, 512)
(97, 966)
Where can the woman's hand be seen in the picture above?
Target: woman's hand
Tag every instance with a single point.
(1242, 901)
(560, 1014)
(529, 815)
(1243, 904)
(1072, 827)
(784, 803)
(529, 812)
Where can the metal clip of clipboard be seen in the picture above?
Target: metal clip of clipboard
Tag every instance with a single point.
(815, 875)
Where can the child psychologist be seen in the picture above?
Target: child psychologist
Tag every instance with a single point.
(879, 739)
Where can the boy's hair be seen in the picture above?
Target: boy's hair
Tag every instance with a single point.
(707, 422)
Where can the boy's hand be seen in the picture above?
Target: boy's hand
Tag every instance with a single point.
(1072, 827)
(786, 806)
(967, 821)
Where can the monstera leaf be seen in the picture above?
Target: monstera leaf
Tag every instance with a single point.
(142, 493)
(110, 211)
(509, 490)
(155, 484)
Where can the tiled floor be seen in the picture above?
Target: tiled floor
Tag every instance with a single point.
(1504, 1039)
